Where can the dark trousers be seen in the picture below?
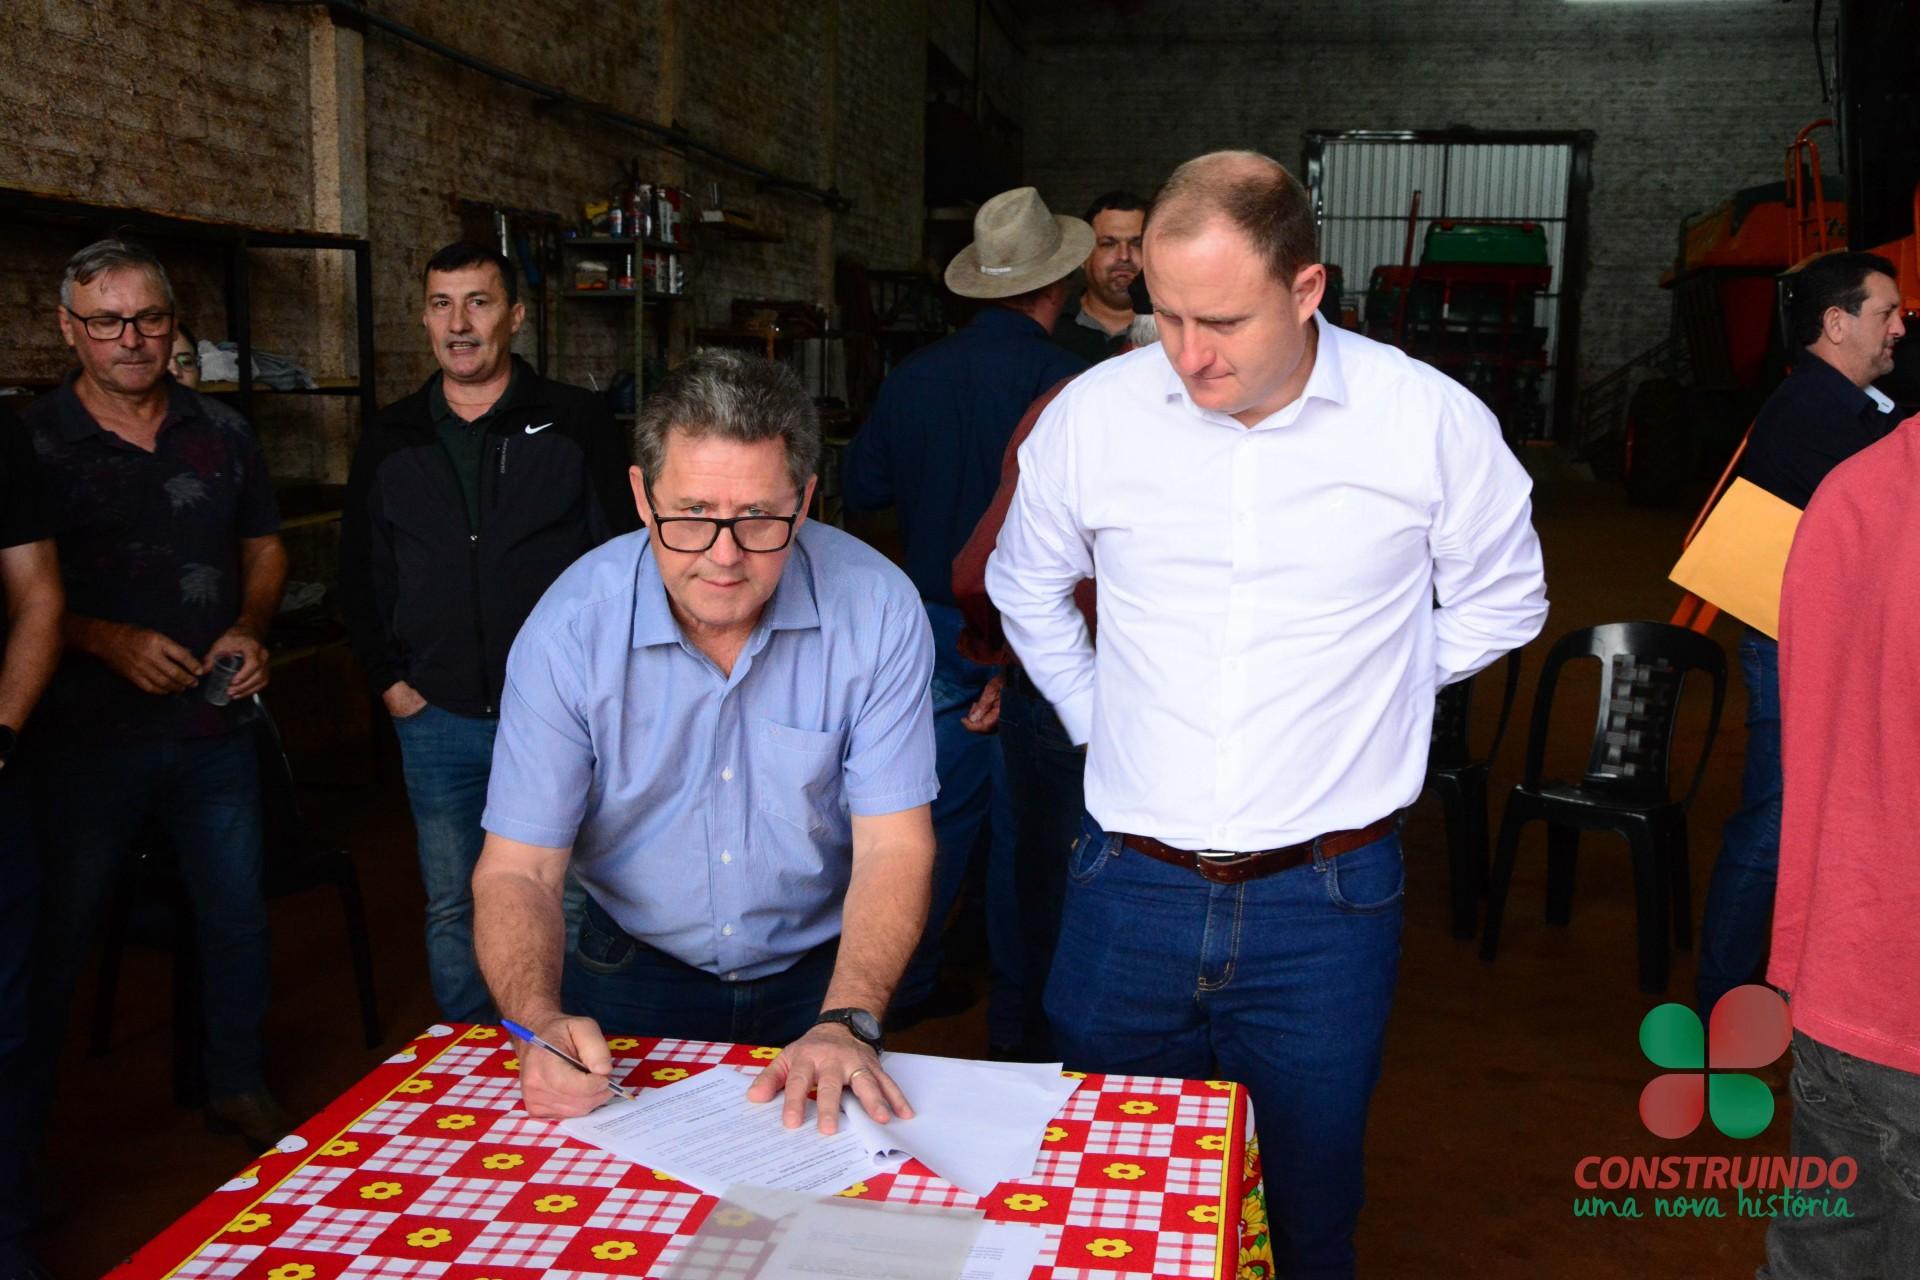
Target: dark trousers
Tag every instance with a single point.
(1046, 777)
(447, 759)
(19, 898)
(1735, 928)
(1847, 1106)
(1281, 983)
(971, 817)
(204, 795)
(630, 988)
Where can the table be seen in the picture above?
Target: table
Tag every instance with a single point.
(428, 1169)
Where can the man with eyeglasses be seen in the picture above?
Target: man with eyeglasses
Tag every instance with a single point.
(167, 532)
(465, 501)
(723, 725)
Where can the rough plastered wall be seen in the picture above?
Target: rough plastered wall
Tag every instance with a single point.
(1687, 102)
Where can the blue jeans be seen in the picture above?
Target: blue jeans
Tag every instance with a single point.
(1847, 1106)
(204, 795)
(630, 988)
(447, 759)
(971, 810)
(1046, 777)
(1735, 929)
(1281, 983)
(19, 898)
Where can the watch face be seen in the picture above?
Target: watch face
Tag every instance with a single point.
(864, 1025)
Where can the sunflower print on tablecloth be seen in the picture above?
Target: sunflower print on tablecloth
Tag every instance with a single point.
(1256, 1242)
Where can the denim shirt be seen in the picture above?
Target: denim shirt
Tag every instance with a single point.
(710, 814)
(932, 444)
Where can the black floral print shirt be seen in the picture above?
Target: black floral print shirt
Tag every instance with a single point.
(152, 540)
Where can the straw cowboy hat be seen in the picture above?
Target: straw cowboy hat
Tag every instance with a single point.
(1018, 244)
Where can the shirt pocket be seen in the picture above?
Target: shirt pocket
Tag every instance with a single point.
(799, 774)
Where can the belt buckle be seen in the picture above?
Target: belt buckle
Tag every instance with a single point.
(1211, 862)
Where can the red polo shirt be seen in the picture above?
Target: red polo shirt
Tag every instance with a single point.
(1846, 946)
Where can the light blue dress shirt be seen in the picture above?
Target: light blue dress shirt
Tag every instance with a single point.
(709, 814)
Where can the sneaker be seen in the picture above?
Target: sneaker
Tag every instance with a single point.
(256, 1117)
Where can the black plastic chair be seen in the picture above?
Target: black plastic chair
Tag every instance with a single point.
(1626, 788)
(1460, 777)
(295, 862)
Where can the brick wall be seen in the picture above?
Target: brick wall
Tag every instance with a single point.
(437, 132)
(209, 107)
(199, 107)
(878, 142)
(1688, 102)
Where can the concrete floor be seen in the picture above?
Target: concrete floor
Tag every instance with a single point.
(1498, 1078)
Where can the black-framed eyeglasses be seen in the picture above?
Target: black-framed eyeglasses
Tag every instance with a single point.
(107, 327)
(698, 533)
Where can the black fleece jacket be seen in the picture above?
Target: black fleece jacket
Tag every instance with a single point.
(431, 602)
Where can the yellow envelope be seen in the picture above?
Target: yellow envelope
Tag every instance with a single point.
(1739, 556)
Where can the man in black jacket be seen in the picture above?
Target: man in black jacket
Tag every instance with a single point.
(466, 501)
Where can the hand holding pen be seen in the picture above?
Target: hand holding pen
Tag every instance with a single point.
(559, 1098)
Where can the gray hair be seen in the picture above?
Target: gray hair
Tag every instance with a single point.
(730, 396)
(1145, 330)
(111, 254)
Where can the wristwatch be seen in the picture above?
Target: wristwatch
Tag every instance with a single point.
(865, 1027)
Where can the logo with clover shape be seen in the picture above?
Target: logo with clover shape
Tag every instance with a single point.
(1706, 1074)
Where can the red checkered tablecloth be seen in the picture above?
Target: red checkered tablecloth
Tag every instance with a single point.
(428, 1170)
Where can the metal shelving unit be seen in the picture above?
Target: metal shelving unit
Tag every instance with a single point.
(303, 504)
(238, 240)
(638, 298)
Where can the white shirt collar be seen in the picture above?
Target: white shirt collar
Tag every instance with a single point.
(1327, 382)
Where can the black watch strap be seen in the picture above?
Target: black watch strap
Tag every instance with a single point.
(864, 1026)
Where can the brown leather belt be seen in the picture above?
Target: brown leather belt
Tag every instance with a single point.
(1263, 862)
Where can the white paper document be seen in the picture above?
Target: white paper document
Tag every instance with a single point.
(976, 1124)
(702, 1130)
(1004, 1251)
(854, 1241)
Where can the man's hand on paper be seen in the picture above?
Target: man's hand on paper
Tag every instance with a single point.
(827, 1061)
(552, 1089)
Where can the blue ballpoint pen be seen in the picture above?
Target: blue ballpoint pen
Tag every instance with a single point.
(516, 1030)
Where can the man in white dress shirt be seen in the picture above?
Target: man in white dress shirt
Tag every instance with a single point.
(1272, 506)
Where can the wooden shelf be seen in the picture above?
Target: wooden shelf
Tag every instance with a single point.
(321, 387)
(622, 242)
(303, 505)
(763, 335)
(625, 295)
